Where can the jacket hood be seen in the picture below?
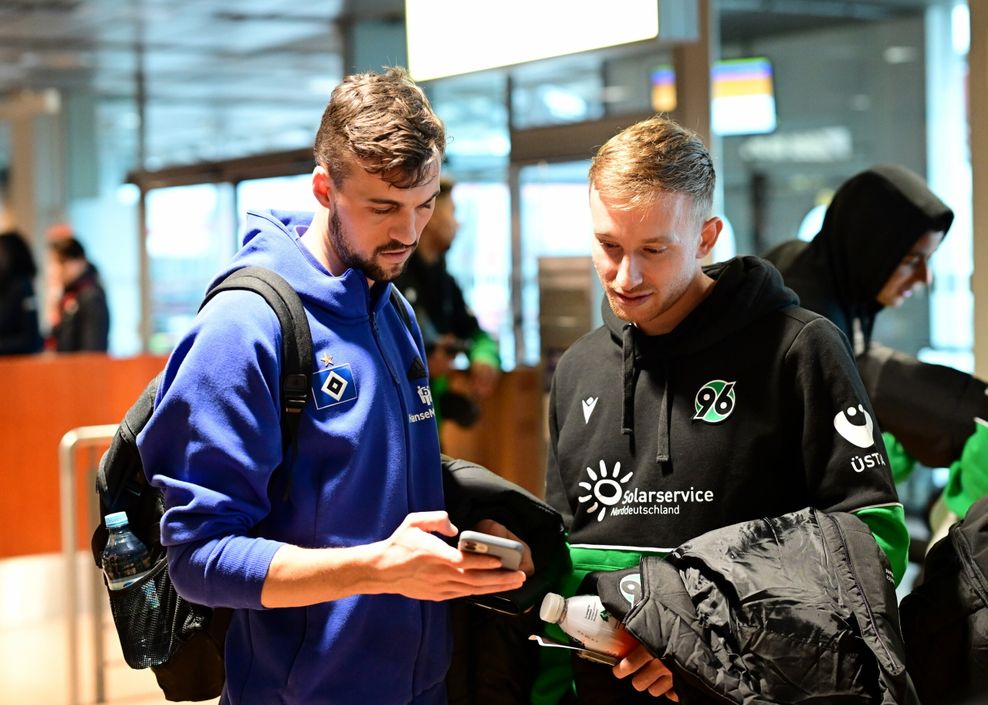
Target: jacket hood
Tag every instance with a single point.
(272, 241)
(873, 221)
(745, 289)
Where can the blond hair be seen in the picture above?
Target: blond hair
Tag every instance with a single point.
(652, 156)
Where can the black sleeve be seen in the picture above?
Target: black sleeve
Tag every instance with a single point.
(463, 324)
(555, 490)
(930, 409)
(844, 457)
(23, 335)
(94, 320)
(473, 493)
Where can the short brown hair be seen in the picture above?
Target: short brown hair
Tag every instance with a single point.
(386, 123)
(654, 155)
(67, 249)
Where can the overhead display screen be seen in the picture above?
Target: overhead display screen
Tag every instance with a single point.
(452, 37)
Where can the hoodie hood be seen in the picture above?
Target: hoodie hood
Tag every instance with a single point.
(272, 240)
(745, 289)
(873, 221)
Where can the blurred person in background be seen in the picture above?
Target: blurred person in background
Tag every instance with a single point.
(83, 317)
(872, 252)
(448, 326)
(19, 331)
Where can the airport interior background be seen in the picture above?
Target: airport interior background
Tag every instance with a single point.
(153, 126)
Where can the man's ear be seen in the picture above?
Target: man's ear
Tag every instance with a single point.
(708, 236)
(322, 187)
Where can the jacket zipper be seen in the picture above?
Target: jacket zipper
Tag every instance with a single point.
(871, 615)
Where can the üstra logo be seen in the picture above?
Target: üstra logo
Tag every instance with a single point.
(861, 433)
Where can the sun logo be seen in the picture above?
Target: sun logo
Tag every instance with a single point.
(606, 490)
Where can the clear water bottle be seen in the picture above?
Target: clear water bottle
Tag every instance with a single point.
(585, 619)
(125, 559)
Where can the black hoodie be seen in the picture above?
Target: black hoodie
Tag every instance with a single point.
(873, 221)
(752, 407)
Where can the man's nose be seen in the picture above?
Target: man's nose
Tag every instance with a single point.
(405, 229)
(924, 272)
(628, 274)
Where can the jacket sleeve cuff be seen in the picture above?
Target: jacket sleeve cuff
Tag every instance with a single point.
(223, 572)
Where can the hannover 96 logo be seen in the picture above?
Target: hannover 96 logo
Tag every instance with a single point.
(714, 402)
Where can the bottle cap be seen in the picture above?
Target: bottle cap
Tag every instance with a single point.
(116, 520)
(552, 608)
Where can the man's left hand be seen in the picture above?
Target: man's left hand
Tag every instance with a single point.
(647, 673)
(489, 526)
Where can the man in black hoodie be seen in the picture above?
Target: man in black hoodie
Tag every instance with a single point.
(707, 398)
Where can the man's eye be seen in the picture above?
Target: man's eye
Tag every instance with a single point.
(380, 211)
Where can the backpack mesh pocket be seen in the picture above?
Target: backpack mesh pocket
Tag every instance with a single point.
(152, 620)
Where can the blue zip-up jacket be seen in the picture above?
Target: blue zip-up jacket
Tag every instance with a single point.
(368, 455)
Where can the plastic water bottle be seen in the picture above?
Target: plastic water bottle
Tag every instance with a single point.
(585, 619)
(125, 559)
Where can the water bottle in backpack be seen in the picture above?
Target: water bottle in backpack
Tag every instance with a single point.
(125, 559)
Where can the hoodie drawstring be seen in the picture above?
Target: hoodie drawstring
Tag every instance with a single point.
(628, 350)
(662, 451)
(628, 412)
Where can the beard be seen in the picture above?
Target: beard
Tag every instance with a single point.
(368, 266)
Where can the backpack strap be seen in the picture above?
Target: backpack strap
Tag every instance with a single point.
(402, 311)
(296, 341)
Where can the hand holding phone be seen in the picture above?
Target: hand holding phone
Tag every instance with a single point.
(510, 552)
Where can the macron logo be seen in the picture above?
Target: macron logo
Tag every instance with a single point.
(588, 406)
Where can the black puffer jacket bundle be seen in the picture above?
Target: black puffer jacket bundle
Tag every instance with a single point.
(796, 609)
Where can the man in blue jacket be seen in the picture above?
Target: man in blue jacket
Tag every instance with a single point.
(337, 588)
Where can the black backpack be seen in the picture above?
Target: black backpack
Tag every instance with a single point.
(945, 618)
(180, 641)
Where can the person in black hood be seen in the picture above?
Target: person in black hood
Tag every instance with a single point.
(878, 235)
(707, 398)
(449, 327)
(874, 248)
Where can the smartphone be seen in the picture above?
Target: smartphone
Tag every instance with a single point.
(507, 550)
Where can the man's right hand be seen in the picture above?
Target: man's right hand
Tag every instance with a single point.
(416, 563)
(411, 562)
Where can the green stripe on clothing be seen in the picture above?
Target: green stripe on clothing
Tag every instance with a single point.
(888, 526)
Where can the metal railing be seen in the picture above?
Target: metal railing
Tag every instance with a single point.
(72, 441)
